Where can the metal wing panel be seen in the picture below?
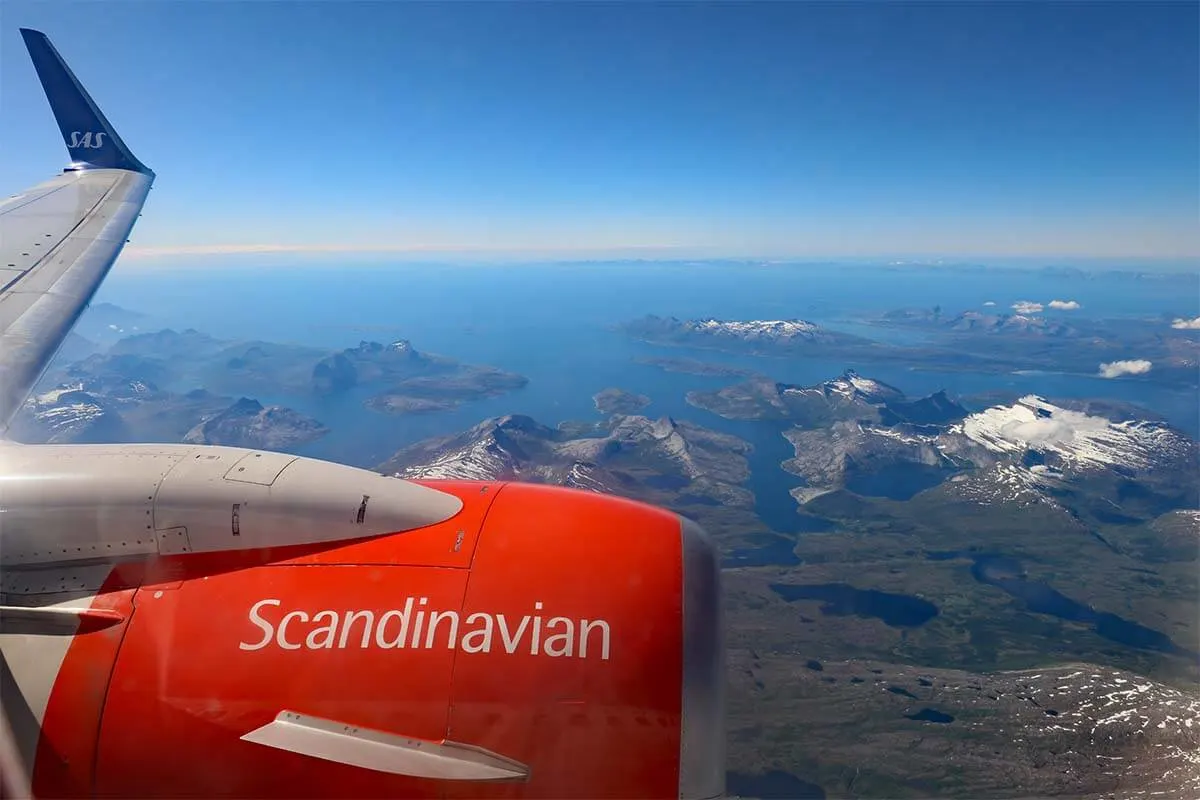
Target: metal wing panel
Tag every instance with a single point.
(57, 243)
(20, 242)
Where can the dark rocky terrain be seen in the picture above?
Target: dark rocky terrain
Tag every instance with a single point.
(247, 423)
(661, 461)
(1073, 730)
(135, 411)
(847, 397)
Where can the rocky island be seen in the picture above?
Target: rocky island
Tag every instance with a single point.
(417, 382)
(618, 401)
(692, 366)
(439, 392)
(1041, 336)
(406, 379)
(975, 341)
(756, 336)
(247, 423)
(104, 410)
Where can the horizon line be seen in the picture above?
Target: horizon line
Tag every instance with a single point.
(701, 252)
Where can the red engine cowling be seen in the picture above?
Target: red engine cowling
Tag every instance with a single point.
(544, 642)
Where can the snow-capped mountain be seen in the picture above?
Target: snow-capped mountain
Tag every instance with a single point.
(71, 414)
(1075, 440)
(849, 396)
(755, 330)
(850, 386)
(629, 455)
(753, 334)
(1030, 451)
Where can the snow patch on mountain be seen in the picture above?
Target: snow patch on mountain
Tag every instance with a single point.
(899, 434)
(1005, 483)
(1145, 734)
(873, 391)
(69, 415)
(584, 476)
(849, 385)
(1081, 441)
(50, 397)
(779, 329)
(481, 460)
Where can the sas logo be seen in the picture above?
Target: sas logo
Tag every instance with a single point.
(90, 140)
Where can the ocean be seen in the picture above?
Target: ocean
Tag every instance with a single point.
(554, 324)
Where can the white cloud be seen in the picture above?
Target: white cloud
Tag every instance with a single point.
(1065, 305)
(1049, 431)
(990, 303)
(1027, 307)
(1115, 369)
(1187, 324)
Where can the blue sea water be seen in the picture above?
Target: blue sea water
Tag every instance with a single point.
(554, 324)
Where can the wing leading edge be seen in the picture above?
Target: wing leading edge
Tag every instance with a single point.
(59, 239)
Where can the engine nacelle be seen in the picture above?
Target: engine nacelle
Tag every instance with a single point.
(535, 642)
(79, 504)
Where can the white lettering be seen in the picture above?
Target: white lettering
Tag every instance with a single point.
(390, 629)
(585, 627)
(262, 624)
(434, 618)
(510, 644)
(329, 630)
(537, 630)
(368, 618)
(568, 637)
(416, 639)
(383, 621)
(283, 623)
(486, 635)
(85, 139)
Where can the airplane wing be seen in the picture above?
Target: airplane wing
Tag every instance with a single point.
(59, 239)
(57, 242)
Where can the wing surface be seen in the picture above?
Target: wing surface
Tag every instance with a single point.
(59, 239)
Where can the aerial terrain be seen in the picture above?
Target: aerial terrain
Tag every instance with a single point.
(960, 527)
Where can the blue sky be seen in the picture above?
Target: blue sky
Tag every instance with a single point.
(738, 129)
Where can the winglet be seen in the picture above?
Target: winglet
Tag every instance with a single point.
(89, 137)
